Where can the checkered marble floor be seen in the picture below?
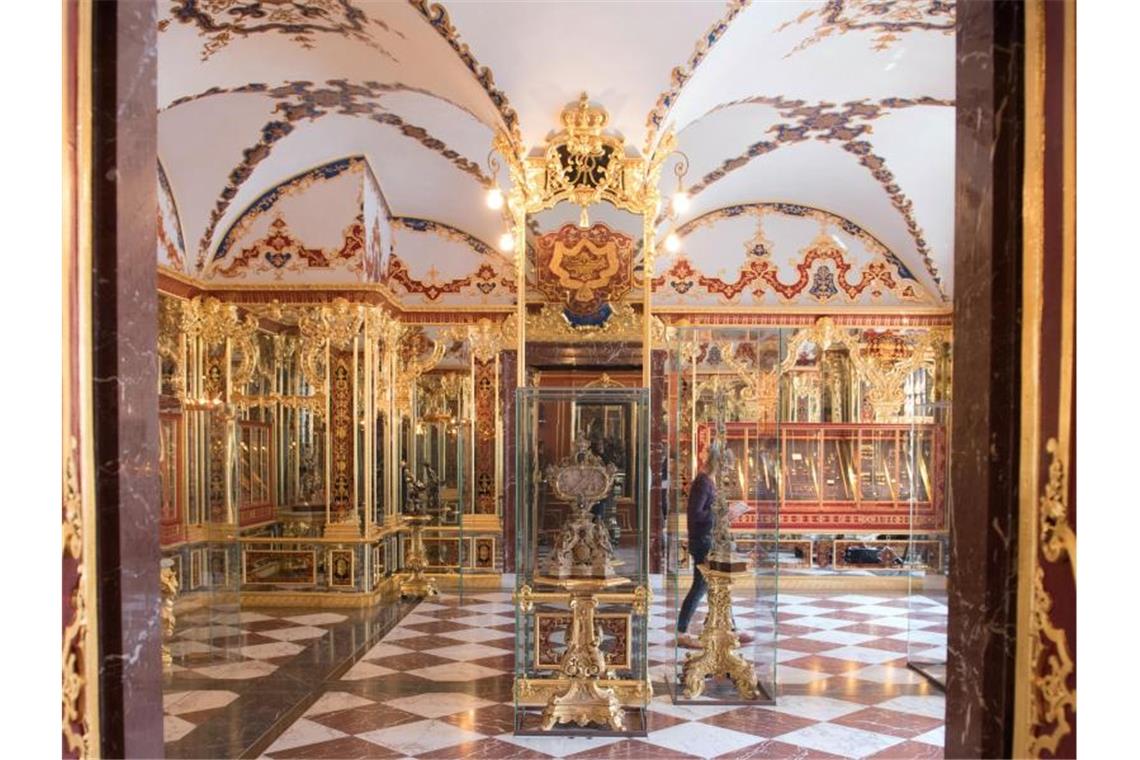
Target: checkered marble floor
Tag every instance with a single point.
(438, 685)
(238, 673)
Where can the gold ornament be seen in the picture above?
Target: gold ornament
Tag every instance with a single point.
(168, 586)
(719, 644)
(417, 585)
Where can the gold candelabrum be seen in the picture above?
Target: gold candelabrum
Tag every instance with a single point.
(416, 584)
(719, 643)
(168, 586)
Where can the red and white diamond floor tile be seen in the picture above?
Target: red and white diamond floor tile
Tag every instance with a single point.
(438, 686)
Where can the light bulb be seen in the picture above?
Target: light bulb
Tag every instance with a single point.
(672, 242)
(494, 199)
(681, 202)
(506, 242)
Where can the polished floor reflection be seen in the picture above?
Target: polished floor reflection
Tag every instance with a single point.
(240, 676)
(434, 681)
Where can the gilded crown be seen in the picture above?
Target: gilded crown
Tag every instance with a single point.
(583, 117)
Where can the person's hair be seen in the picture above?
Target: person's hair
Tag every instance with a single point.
(713, 455)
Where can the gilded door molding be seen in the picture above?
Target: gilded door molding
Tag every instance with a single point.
(1045, 700)
(80, 646)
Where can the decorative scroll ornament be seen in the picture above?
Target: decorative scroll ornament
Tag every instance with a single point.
(761, 392)
(583, 165)
(1050, 694)
(486, 339)
(412, 364)
(583, 548)
(718, 644)
(75, 634)
(1053, 665)
(333, 325)
(584, 269)
(170, 342)
(215, 322)
(1057, 538)
(584, 664)
(550, 325)
(885, 379)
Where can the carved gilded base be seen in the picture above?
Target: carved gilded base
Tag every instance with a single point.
(718, 655)
(583, 703)
(417, 585)
(534, 692)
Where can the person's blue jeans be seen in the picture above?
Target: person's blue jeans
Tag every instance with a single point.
(699, 549)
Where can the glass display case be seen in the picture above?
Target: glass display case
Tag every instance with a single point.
(724, 554)
(434, 488)
(926, 556)
(582, 586)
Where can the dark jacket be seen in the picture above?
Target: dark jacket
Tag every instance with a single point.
(702, 494)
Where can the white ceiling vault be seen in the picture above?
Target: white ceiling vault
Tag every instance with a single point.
(346, 141)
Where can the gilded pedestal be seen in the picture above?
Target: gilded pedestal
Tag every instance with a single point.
(168, 586)
(585, 701)
(417, 584)
(718, 654)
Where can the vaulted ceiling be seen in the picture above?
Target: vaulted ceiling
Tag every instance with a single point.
(347, 141)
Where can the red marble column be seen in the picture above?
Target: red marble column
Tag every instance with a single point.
(982, 582)
(125, 370)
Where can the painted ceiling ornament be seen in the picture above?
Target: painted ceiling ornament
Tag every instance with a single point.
(280, 251)
(758, 246)
(844, 124)
(436, 15)
(821, 270)
(222, 21)
(887, 19)
(584, 270)
(681, 74)
(298, 101)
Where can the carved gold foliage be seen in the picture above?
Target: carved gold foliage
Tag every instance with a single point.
(1049, 654)
(215, 322)
(409, 370)
(885, 379)
(72, 506)
(1050, 695)
(642, 597)
(332, 325)
(170, 341)
(73, 680)
(719, 644)
(168, 587)
(761, 390)
(549, 324)
(75, 633)
(583, 165)
(486, 339)
(1057, 538)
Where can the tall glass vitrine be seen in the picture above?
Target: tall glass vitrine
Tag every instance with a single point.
(927, 555)
(582, 593)
(726, 484)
